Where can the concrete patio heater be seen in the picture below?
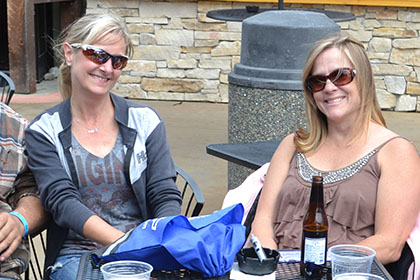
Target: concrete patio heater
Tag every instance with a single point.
(266, 99)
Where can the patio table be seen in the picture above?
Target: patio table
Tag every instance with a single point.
(284, 271)
(249, 154)
(241, 14)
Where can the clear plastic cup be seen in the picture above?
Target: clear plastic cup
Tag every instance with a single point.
(350, 258)
(358, 276)
(125, 270)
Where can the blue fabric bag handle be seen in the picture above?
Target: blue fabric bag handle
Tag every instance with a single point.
(206, 244)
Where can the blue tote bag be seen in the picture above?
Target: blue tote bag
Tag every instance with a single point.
(206, 244)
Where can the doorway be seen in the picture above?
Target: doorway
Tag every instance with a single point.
(46, 27)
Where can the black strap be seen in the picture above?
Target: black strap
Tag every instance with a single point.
(251, 215)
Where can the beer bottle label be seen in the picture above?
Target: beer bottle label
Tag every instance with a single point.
(315, 250)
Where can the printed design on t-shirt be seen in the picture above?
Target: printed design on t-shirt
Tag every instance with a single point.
(104, 190)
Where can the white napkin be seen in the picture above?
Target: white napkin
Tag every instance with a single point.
(287, 256)
(236, 274)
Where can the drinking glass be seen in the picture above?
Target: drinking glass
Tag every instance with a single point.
(350, 258)
(124, 270)
(358, 276)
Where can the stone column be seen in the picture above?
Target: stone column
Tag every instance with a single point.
(266, 99)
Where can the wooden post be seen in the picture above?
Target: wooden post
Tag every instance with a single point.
(21, 36)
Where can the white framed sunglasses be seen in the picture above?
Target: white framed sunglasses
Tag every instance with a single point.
(99, 56)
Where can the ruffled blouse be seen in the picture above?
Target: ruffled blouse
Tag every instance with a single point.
(349, 196)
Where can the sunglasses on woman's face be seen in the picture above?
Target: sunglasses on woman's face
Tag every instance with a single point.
(99, 56)
(339, 77)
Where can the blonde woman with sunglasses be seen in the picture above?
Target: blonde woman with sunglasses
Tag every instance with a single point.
(102, 163)
(371, 175)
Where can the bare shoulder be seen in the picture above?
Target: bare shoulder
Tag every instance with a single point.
(286, 148)
(389, 139)
(397, 149)
(287, 144)
(280, 164)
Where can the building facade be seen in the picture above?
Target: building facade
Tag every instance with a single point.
(181, 54)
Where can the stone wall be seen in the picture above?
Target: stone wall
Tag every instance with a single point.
(391, 39)
(180, 54)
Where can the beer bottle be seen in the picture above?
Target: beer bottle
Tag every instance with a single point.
(314, 235)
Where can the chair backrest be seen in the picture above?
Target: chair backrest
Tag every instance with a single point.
(192, 196)
(7, 88)
(400, 269)
(37, 246)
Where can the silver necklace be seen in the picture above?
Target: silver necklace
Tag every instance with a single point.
(89, 130)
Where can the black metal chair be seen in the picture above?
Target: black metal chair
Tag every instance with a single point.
(399, 269)
(192, 196)
(7, 88)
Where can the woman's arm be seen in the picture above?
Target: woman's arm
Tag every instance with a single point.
(262, 227)
(162, 192)
(98, 230)
(58, 194)
(398, 200)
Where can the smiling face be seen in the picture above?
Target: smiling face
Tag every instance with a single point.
(89, 77)
(337, 103)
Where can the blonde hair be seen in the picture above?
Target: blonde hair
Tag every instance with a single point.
(88, 29)
(313, 137)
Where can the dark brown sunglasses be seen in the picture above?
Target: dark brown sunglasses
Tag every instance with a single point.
(339, 77)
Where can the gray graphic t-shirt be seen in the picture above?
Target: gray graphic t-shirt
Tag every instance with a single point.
(104, 190)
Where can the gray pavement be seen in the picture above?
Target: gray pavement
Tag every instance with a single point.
(191, 126)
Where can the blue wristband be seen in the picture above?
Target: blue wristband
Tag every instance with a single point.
(22, 220)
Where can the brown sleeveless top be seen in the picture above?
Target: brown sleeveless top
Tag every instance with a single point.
(349, 197)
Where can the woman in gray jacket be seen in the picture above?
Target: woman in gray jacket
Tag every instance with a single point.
(102, 163)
